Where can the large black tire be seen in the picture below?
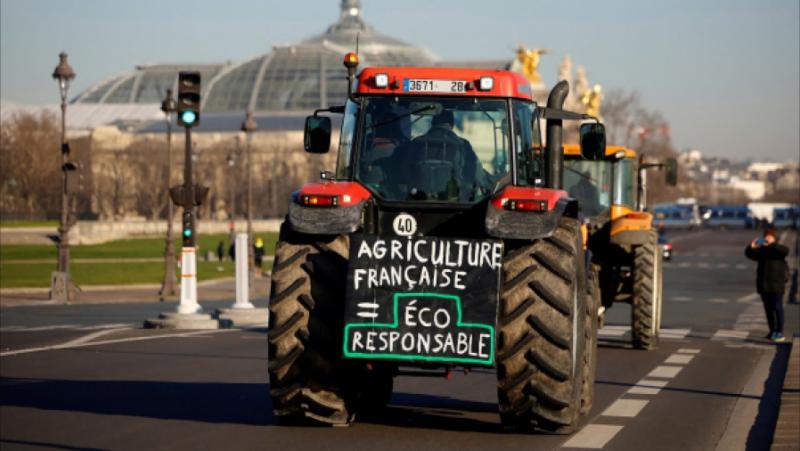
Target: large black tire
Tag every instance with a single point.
(590, 353)
(309, 380)
(646, 303)
(541, 339)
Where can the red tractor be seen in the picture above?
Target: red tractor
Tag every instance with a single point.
(441, 241)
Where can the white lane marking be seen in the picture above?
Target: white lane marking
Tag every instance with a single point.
(748, 298)
(106, 326)
(703, 265)
(688, 254)
(722, 265)
(593, 436)
(726, 334)
(647, 387)
(63, 326)
(368, 305)
(682, 298)
(684, 265)
(674, 333)
(688, 351)
(89, 337)
(107, 342)
(367, 315)
(614, 331)
(741, 266)
(718, 301)
(679, 359)
(627, 408)
(40, 328)
(666, 372)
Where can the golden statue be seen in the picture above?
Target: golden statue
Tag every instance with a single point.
(529, 60)
(591, 98)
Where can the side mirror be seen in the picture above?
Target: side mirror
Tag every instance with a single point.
(671, 171)
(593, 141)
(317, 137)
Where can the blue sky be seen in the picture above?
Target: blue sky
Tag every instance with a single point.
(725, 73)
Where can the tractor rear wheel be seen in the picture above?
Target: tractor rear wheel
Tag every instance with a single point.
(309, 380)
(590, 355)
(541, 337)
(646, 303)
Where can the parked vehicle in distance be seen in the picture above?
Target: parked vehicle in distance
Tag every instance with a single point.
(676, 216)
(728, 217)
(787, 217)
(666, 247)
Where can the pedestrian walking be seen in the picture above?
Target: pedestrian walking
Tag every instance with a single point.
(771, 276)
(258, 252)
(220, 251)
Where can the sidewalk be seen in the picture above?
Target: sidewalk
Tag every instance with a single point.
(787, 430)
(210, 290)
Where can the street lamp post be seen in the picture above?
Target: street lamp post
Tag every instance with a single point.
(61, 283)
(168, 106)
(231, 159)
(249, 126)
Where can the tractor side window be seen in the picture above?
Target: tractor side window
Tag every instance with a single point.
(625, 183)
(346, 140)
(528, 144)
(590, 183)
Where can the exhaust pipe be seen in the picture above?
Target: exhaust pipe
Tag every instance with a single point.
(554, 128)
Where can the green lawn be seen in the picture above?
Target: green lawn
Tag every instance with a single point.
(38, 274)
(17, 275)
(18, 224)
(136, 248)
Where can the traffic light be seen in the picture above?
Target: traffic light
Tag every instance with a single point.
(187, 231)
(188, 98)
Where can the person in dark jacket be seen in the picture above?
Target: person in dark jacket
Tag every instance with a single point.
(771, 278)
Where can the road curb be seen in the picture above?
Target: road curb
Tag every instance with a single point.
(787, 431)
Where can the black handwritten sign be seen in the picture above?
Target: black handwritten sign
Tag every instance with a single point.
(424, 299)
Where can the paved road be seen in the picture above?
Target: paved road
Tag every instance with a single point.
(710, 385)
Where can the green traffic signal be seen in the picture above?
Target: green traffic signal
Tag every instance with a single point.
(187, 232)
(188, 117)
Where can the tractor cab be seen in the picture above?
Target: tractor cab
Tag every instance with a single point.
(607, 188)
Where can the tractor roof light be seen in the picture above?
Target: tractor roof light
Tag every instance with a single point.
(486, 84)
(351, 60)
(381, 80)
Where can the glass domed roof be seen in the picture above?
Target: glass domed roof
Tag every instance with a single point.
(146, 84)
(308, 74)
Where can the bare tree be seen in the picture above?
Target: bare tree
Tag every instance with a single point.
(619, 110)
(29, 164)
(148, 164)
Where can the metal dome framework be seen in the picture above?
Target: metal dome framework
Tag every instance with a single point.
(308, 74)
(147, 84)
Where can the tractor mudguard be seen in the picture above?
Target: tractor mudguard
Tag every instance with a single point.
(325, 221)
(328, 208)
(524, 225)
(631, 237)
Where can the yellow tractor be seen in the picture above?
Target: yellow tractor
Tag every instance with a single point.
(624, 245)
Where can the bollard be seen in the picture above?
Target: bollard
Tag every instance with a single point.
(242, 273)
(188, 304)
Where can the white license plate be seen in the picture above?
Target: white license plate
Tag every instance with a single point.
(446, 86)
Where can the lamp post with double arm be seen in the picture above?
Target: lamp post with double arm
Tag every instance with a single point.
(169, 106)
(249, 126)
(61, 283)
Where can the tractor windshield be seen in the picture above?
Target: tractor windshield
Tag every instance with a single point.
(590, 183)
(436, 149)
